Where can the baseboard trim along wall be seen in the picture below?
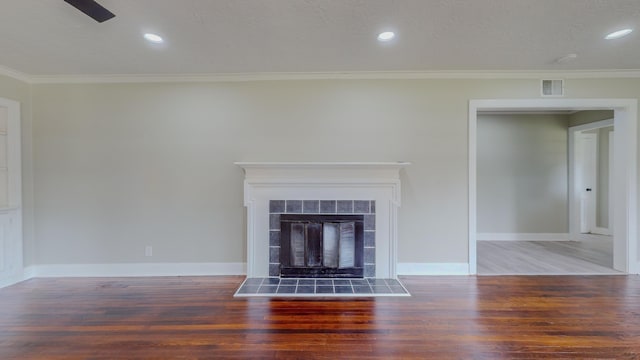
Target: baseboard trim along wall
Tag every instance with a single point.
(135, 269)
(523, 236)
(203, 269)
(433, 269)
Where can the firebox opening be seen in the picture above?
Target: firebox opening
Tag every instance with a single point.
(321, 245)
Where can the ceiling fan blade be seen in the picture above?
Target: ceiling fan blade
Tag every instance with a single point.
(93, 9)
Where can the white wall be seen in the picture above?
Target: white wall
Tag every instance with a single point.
(120, 166)
(522, 174)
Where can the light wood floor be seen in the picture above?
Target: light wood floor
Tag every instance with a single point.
(591, 256)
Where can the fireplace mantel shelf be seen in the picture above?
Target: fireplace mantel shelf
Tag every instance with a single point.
(321, 171)
(397, 164)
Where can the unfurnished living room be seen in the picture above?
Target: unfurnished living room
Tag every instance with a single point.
(321, 179)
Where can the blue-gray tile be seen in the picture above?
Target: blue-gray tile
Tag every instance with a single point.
(381, 289)
(294, 206)
(343, 290)
(359, 282)
(369, 270)
(311, 206)
(324, 289)
(271, 281)
(274, 269)
(361, 207)
(306, 282)
(369, 238)
(391, 282)
(397, 289)
(369, 222)
(268, 289)
(380, 282)
(253, 281)
(369, 255)
(327, 282)
(288, 282)
(345, 206)
(248, 289)
(305, 289)
(361, 289)
(274, 238)
(373, 206)
(274, 254)
(286, 289)
(276, 206)
(340, 282)
(328, 206)
(274, 221)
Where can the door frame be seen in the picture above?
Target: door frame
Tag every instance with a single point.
(574, 198)
(625, 200)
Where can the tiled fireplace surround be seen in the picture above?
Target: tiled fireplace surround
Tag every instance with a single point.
(268, 184)
(367, 208)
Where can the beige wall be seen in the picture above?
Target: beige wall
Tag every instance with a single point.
(20, 91)
(522, 174)
(589, 116)
(121, 166)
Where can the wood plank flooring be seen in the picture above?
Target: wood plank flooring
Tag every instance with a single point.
(464, 317)
(591, 256)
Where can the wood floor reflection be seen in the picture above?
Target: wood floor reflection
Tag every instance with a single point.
(463, 317)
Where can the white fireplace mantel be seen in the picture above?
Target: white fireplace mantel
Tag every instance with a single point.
(265, 181)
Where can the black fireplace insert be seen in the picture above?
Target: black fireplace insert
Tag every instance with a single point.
(321, 245)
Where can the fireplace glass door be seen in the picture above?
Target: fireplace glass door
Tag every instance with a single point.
(321, 245)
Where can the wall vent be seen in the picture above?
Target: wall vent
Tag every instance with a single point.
(552, 87)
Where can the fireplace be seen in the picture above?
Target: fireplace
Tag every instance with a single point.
(321, 245)
(371, 190)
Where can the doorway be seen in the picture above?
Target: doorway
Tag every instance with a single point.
(625, 250)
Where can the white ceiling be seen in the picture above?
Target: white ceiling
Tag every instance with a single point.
(49, 37)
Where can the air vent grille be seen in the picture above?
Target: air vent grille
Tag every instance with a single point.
(552, 87)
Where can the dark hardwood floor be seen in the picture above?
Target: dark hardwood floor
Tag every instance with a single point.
(532, 317)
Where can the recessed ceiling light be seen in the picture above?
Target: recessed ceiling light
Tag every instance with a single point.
(154, 38)
(386, 36)
(618, 34)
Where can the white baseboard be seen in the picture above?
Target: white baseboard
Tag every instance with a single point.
(602, 231)
(12, 280)
(433, 269)
(523, 236)
(135, 269)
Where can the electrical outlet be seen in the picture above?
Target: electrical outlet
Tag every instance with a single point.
(148, 250)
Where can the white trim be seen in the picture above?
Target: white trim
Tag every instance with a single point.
(13, 243)
(522, 236)
(12, 280)
(265, 181)
(601, 231)
(625, 168)
(15, 74)
(358, 75)
(135, 269)
(433, 269)
(592, 126)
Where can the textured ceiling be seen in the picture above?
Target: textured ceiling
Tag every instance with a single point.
(49, 37)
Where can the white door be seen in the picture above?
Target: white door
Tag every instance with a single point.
(586, 177)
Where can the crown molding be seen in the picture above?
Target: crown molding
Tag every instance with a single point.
(347, 75)
(15, 74)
